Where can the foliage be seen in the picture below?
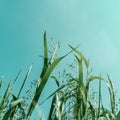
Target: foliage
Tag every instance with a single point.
(71, 101)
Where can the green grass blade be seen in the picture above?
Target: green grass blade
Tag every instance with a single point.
(46, 62)
(11, 111)
(42, 84)
(111, 98)
(81, 97)
(46, 72)
(0, 83)
(15, 102)
(92, 110)
(80, 72)
(16, 78)
(80, 55)
(52, 108)
(99, 100)
(118, 116)
(56, 80)
(5, 97)
(90, 79)
(27, 75)
(45, 50)
(8, 93)
(7, 115)
(60, 88)
(112, 95)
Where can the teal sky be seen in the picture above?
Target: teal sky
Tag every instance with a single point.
(94, 24)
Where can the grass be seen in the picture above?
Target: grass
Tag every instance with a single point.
(71, 100)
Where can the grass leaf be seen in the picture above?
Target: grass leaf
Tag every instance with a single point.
(45, 50)
(56, 80)
(80, 55)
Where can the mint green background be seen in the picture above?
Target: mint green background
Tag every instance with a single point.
(94, 24)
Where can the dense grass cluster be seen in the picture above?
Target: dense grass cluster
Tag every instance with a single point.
(72, 99)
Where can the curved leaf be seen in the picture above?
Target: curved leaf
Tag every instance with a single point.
(80, 55)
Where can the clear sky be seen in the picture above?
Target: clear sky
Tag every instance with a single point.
(94, 24)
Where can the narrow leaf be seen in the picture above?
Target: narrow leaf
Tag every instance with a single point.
(113, 95)
(56, 80)
(80, 55)
(24, 80)
(45, 50)
(42, 84)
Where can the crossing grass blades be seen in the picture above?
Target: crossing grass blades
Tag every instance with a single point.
(70, 101)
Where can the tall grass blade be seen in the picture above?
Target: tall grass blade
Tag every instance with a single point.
(80, 72)
(46, 72)
(60, 88)
(5, 97)
(17, 99)
(16, 78)
(10, 113)
(80, 105)
(0, 83)
(90, 79)
(81, 55)
(56, 80)
(45, 50)
(112, 95)
(99, 100)
(27, 75)
(92, 110)
(112, 102)
(42, 84)
(46, 62)
(51, 112)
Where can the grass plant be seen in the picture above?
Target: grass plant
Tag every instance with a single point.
(70, 101)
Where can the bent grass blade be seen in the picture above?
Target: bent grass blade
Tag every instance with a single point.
(80, 55)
